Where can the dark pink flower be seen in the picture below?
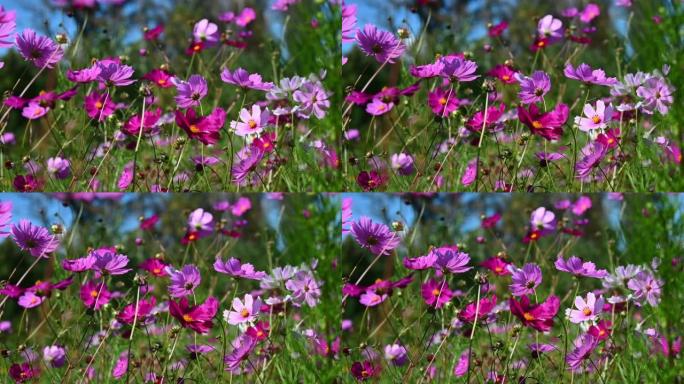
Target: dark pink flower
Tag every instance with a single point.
(198, 318)
(205, 129)
(468, 313)
(95, 295)
(547, 125)
(436, 294)
(537, 316)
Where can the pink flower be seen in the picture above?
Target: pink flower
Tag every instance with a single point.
(95, 295)
(468, 313)
(30, 300)
(497, 265)
(587, 310)
(99, 106)
(371, 299)
(251, 123)
(547, 125)
(206, 129)
(436, 294)
(596, 118)
(589, 13)
(243, 312)
(206, 32)
(34, 111)
(377, 107)
(244, 79)
(443, 102)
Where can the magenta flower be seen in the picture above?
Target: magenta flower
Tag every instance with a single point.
(371, 299)
(30, 300)
(191, 92)
(313, 100)
(206, 129)
(242, 347)
(443, 102)
(79, 265)
(348, 22)
(198, 318)
(84, 75)
(148, 123)
(461, 368)
(533, 89)
(144, 307)
(245, 171)
(539, 316)
(467, 314)
(245, 80)
(593, 153)
(585, 74)
(375, 237)
(584, 346)
(586, 310)
(243, 312)
(596, 118)
(113, 73)
(99, 106)
(34, 239)
(23, 372)
(547, 125)
(504, 73)
(95, 295)
(7, 33)
(160, 78)
(251, 123)
(575, 266)
(155, 267)
(494, 114)
(421, 262)
(233, 267)
(108, 262)
(589, 13)
(525, 280)
(497, 265)
(39, 50)
(183, 282)
(436, 294)
(34, 111)
(381, 45)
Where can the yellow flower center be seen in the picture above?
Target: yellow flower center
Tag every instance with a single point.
(252, 124)
(442, 101)
(506, 77)
(435, 292)
(528, 316)
(244, 312)
(596, 119)
(194, 129)
(187, 318)
(99, 105)
(586, 311)
(537, 124)
(94, 293)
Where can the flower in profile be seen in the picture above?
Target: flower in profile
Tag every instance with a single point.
(586, 310)
(191, 92)
(533, 89)
(39, 50)
(370, 298)
(461, 368)
(242, 347)
(206, 129)
(364, 370)
(144, 308)
(524, 280)
(550, 28)
(30, 300)
(585, 74)
(537, 316)
(34, 239)
(245, 171)
(601, 330)
(349, 20)
(421, 262)
(547, 125)
(121, 366)
(497, 265)
(456, 68)
(99, 106)
(7, 32)
(233, 267)
(479, 120)
(451, 260)
(381, 45)
(436, 294)
(160, 78)
(396, 353)
(183, 281)
(472, 310)
(645, 286)
(199, 317)
(378, 107)
(154, 266)
(251, 123)
(94, 295)
(206, 32)
(54, 356)
(243, 312)
(27, 183)
(584, 346)
(34, 111)
(113, 73)
(589, 13)
(245, 80)
(504, 73)
(577, 267)
(79, 265)
(108, 262)
(595, 118)
(375, 237)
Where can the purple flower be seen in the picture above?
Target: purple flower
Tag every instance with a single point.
(206, 32)
(646, 286)
(6, 33)
(375, 237)
(402, 163)
(54, 356)
(575, 266)
(550, 28)
(235, 268)
(456, 68)
(525, 280)
(5, 218)
(587, 75)
(593, 154)
(108, 262)
(543, 220)
(112, 73)
(242, 347)
(30, 300)
(36, 240)
(461, 367)
(371, 299)
(596, 118)
(533, 89)
(584, 346)
(40, 50)
(586, 310)
(184, 281)
(381, 45)
(304, 288)
(242, 312)
(121, 366)
(348, 22)
(79, 265)
(421, 262)
(245, 170)
(396, 354)
(589, 13)
(657, 95)
(244, 79)
(191, 92)
(621, 276)
(312, 99)
(450, 260)
(59, 167)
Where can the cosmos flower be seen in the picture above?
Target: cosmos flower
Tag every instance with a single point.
(304, 289)
(402, 163)
(155, 267)
(533, 89)
(421, 262)
(456, 68)
(592, 155)
(54, 356)
(443, 102)
(656, 95)
(436, 294)
(108, 262)
(94, 295)
(479, 120)
(5, 218)
(313, 100)
(113, 73)
(251, 123)
(596, 118)
(381, 45)
(584, 346)
(245, 171)
(525, 280)
(59, 167)
(370, 298)
(577, 267)
(6, 33)
(586, 310)
(365, 370)
(645, 286)
(99, 106)
(191, 92)
(129, 313)
(34, 239)
(30, 300)
(497, 265)
(396, 354)
(242, 347)
(550, 28)
(245, 80)
(485, 307)
(206, 129)
(543, 220)
(233, 267)
(160, 78)
(245, 311)
(206, 32)
(375, 237)
(585, 74)
(451, 260)
(547, 125)
(79, 265)
(39, 50)
(184, 281)
(199, 317)
(537, 316)
(23, 372)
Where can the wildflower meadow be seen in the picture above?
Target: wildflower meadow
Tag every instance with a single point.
(523, 288)
(169, 95)
(525, 95)
(202, 288)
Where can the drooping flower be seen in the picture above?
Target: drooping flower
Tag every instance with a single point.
(251, 123)
(245, 311)
(95, 295)
(537, 316)
(461, 368)
(7, 32)
(245, 80)
(79, 265)
(471, 310)
(235, 268)
(421, 262)
(54, 356)
(370, 298)
(34, 239)
(577, 267)
(586, 310)
(24, 372)
(585, 74)
(39, 50)
(349, 20)
(198, 318)
(533, 89)
(191, 92)
(436, 294)
(525, 280)
(381, 45)
(375, 237)
(396, 354)
(595, 118)
(183, 281)
(547, 125)
(129, 313)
